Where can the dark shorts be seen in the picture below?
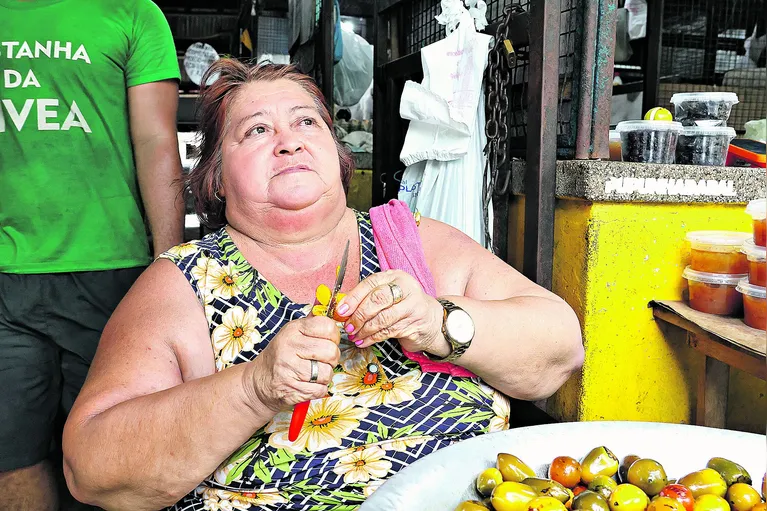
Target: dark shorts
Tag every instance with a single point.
(50, 325)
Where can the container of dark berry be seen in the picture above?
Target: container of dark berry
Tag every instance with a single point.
(704, 146)
(703, 108)
(649, 141)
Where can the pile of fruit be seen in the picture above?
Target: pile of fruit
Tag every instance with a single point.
(599, 482)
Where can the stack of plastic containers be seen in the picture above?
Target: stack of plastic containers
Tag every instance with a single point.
(717, 266)
(753, 287)
(705, 137)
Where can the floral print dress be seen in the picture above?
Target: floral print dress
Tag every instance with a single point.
(382, 413)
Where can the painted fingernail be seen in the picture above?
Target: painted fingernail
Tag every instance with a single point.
(343, 309)
(352, 337)
(358, 342)
(349, 328)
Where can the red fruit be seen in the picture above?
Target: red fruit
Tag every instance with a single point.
(680, 493)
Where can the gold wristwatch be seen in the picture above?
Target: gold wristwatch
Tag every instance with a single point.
(458, 329)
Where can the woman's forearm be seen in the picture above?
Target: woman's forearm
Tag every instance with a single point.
(148, 452)
(525, 347)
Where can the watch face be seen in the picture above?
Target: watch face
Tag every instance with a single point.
(460, 326)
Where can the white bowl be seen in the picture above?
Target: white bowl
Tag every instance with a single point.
(443, 479)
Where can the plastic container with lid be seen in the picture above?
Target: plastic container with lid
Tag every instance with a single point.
(757, 263)
(714, 293)
(648, 141)
(703, 108)
(758, 211)
(718, 251)
(615, 146)
(698, 145)
(754, 304)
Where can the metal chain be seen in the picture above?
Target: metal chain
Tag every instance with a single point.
(497, 75)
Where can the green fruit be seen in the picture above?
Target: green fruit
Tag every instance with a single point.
(589, 501)
(548, 488)
(512, 468)
(488, 480)
(600, 461)
(730, 471)
(603, 485)
(648, 475)
(704, 482)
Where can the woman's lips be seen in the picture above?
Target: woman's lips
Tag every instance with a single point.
(294, 168)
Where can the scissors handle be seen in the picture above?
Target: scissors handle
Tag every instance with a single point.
(297, 420)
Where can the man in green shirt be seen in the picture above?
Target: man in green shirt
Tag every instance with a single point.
(88, 148)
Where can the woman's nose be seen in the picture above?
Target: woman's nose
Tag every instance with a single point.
(288, 143)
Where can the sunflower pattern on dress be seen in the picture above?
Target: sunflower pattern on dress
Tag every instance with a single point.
(381, 414)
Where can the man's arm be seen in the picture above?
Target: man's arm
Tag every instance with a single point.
(152, 108)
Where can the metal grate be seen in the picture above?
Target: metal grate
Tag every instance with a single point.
(705, 47)
(424, 29)
(569, 43)
(273, 35)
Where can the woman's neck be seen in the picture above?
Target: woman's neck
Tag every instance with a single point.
(296, 241)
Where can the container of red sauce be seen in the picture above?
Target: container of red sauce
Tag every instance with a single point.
(758, 211)
(754, 304)
(718, 251)
(757, 263)
(714, 293)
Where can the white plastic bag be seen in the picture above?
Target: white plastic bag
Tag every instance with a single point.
(444, 144)
(637, 18)
(353, 74)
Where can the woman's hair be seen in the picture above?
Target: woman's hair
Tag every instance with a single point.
(225, 78)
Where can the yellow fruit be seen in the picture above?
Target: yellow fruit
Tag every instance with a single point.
(627, 497)
(511, 496)
(665, 504)
(658, 114)
(545, 504)
(742, 497)
(709, 502)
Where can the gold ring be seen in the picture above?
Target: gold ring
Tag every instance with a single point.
(396, 292)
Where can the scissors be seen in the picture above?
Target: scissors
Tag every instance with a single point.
(301, 409)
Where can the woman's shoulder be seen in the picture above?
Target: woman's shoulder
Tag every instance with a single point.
(210, 246)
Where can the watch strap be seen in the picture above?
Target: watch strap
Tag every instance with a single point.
(456, 349)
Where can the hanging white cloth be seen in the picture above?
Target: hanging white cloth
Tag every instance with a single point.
(444, 144)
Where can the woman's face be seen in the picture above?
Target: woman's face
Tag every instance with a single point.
(277, 152)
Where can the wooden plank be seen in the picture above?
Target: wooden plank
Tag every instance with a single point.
(713, 349)
(713, 385)
(731, 331)
(716, 347)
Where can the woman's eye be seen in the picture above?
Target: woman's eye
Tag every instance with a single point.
(256, 130)
(307, 122)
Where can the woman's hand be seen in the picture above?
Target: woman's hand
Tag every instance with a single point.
(392, 304)
(282, 372)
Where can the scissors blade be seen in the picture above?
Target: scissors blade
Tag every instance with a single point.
(339, 281)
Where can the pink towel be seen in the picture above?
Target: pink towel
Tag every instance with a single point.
(399, 247)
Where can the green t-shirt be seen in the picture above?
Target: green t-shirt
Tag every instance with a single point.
(69, 198)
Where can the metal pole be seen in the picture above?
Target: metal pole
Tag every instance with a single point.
(540, 176)
(586, 79)
(327, 25)
(603, 79)
(653, 55)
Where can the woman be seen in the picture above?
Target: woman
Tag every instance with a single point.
(190, 394)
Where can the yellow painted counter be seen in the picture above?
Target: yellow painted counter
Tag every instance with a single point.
(610, 259)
